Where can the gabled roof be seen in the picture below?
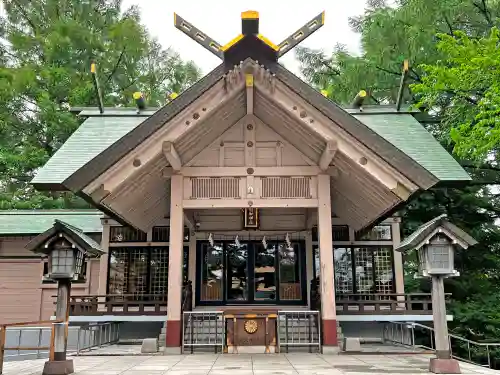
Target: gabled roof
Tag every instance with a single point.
(33, 222)
(421, 233)
(72, 233)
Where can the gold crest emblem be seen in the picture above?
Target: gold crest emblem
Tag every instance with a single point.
(250, 326)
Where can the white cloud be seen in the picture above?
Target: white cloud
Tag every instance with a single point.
(221, 21)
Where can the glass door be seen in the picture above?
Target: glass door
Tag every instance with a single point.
(249, 273)
(237, 280)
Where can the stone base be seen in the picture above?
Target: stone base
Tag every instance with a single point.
(351, 344)
(149, 346)
(58, 367)
(326, 349)
(444, 366)
(172, 350)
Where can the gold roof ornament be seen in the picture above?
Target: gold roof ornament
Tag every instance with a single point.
(251, 42)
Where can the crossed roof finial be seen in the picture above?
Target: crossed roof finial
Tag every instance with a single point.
(250, 41)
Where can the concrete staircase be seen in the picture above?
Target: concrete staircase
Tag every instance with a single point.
(162, 336)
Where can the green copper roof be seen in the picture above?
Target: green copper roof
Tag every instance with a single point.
(408, 135)
(92, 137)
(426, 229)
(73, 234)
(402, 130)
(17, 222)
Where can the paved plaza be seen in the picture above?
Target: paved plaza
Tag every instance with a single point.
(241, 364)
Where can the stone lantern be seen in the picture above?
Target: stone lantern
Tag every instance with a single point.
(67, 248)
(435, 243)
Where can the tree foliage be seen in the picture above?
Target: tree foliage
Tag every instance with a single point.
(46, 48)
(452, 48)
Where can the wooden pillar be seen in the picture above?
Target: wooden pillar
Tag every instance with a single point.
(398, 260)
(175, 261)
(327, 285)
(104, 259)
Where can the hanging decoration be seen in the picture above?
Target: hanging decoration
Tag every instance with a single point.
(264, 242)
(288, 242)
(237, 241)
(211, 240)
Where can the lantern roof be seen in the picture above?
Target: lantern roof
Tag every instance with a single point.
(60, 229)
(426, 231)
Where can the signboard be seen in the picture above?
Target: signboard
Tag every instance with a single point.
(251, 218)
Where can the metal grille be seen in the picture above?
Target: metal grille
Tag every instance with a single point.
(159, 271)
(215, 187)
(203, 330)
(299, 329)
(286, 187)
(126, 234)
(383, 271)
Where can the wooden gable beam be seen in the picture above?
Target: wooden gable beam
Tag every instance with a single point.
(171, 155)
(304, 113)
(328, 155)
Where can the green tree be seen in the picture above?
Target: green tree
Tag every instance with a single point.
(46, 48)
(451, 49)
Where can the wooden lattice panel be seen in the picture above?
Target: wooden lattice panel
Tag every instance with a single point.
(215, 187)
(286, 187)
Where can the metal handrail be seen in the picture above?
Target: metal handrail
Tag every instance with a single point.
(3, 338)
(97, 335)
(410, 341)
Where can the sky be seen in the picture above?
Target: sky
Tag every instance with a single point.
(221, 20)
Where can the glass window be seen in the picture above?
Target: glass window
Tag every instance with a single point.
(265, 273)
(289, 271)
(211, 272)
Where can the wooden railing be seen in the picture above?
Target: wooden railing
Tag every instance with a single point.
(384, 304)
(41, 323)
(124, 304)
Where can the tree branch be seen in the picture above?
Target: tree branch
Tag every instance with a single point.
(25, 16)
(484, 11)
(115, 68)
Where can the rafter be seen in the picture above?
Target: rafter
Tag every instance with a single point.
(328, 155)
(171, 155)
